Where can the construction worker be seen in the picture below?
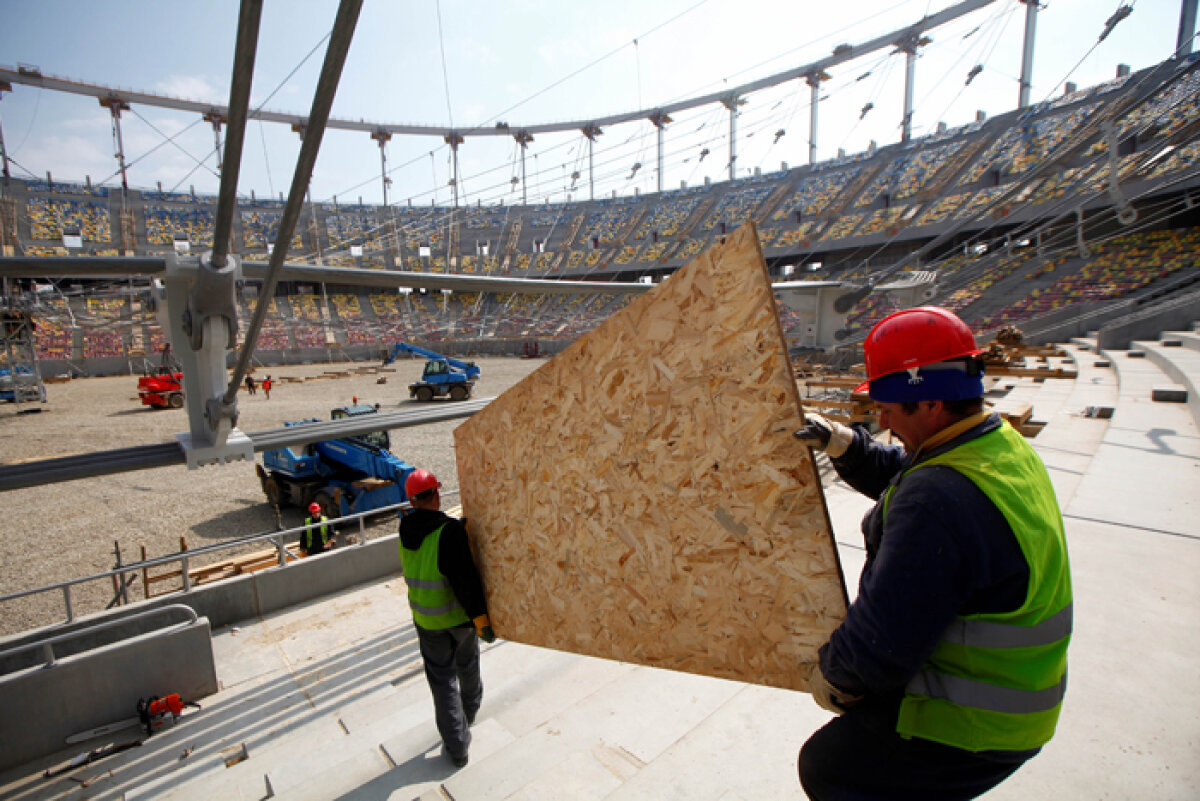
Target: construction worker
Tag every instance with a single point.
(319, 539)
(448, 608)
(250, 387)
(949, 670)
(266, 387)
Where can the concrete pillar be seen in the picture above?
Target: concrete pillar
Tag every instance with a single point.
(1031, 9)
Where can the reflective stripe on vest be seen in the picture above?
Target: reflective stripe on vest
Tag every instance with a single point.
(307, 536)
(430, 595)
(996, 681)
(981, 695)
(983, 634)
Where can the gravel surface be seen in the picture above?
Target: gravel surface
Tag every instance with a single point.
(65, 531)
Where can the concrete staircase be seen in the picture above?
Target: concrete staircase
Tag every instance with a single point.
(327, 699)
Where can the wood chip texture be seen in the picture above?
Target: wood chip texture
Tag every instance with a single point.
(640, 497)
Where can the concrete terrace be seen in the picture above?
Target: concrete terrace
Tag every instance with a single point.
(329, 700)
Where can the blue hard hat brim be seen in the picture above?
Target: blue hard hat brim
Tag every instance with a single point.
(927, 385)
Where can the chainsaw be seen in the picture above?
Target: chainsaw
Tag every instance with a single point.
(153, 714)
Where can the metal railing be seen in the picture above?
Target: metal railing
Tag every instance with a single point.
(47, 644)
(277, 538)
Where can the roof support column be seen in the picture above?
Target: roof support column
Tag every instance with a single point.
(5, 86)
(813, 80)
(217, 119)
(523, 139)
(1187, 29)
(660, 121)
(454, 139)
(383, 137)
(591, 132)
(732, 102)
(909, 47)
(910, 74)
(116, 105)
(1031, 9)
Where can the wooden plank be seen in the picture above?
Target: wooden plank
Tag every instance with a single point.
(641, 497)
(1019, 415)
(1029, 372)
(834, 383)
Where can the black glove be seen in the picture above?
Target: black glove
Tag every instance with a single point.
(825, 435)
(483, 627)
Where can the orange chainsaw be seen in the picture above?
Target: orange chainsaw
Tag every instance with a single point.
(153, 714)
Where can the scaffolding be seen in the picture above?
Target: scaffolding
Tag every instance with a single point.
(20, 380)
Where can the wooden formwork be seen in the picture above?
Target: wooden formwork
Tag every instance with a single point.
(641, 497)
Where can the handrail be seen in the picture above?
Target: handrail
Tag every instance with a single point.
(183, 557)
(47, 644)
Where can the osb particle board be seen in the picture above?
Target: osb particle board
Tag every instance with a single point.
(641, 497)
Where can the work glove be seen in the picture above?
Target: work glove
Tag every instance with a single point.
(483, 627)
(826, 695)
(825, 435)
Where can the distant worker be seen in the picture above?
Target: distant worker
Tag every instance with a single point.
(266, 385)
(354, 400)
(250, 386)
(949, 670)
(448, 608)
(316, 540)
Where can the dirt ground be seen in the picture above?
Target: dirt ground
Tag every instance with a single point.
(58, 532)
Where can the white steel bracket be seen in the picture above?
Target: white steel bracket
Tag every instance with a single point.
(198, 310)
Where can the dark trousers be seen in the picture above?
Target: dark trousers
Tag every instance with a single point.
(849, 760)
(452, 669)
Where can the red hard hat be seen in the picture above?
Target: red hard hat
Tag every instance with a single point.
(419, 481)
(914, 338)
(314, 508)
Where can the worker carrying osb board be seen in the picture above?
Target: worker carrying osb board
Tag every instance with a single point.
(949, 670)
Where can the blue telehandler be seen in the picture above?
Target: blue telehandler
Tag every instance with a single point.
(345, 476)
(443, 375)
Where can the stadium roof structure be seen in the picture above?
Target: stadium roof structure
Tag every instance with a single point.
(197, 281)
(907, 40)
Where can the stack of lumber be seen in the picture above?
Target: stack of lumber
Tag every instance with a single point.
(206, 574)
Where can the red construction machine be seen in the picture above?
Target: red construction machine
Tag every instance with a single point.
(163, 389)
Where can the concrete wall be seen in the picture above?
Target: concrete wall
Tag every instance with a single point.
(226, 602)
(42, 706)
(369, 354)
(1177, 314)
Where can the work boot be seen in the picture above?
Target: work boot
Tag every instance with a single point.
(459, 761)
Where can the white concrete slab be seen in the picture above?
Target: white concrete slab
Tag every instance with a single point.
(330, 699)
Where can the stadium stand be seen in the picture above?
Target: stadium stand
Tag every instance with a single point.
(858, 214)
(1114, 269)
(51, 219)
(164, 224)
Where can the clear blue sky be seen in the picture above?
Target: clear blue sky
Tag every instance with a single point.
(526, 62)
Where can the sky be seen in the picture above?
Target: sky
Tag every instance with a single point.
(467, 63)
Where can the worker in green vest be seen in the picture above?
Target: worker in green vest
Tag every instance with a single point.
(949, 670)
(319, 539)
(449, 611)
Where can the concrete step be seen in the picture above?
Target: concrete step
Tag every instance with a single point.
(1186, 339)
(610, 726)
(1086, 343)
(1181, 367)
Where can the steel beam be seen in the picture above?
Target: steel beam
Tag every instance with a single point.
(910, 77)
(103, 267)
(843, 54)
(1187, 28)
(1031, 9)
(146, 457)
(814, 81)
(235, 132)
